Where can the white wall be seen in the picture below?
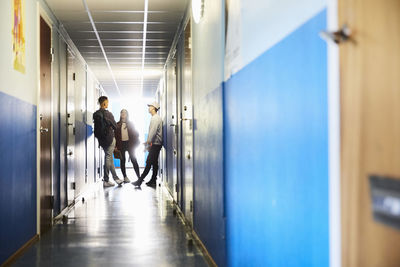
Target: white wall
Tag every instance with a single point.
(208, 49)
(22, 86)
(276, 18)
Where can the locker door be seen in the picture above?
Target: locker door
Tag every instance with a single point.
(70, 128)
(186, 121)
(172, 130)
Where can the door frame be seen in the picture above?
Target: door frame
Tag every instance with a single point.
(41, 13)
(334, 139)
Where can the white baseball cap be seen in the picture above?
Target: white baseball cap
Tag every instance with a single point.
(154, 104)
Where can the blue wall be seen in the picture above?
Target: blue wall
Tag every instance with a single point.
(276, 154)
(208, 197)
(17, 174)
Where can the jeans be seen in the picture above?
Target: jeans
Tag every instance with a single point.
(124, 149)
(109, 162)
(152, 160)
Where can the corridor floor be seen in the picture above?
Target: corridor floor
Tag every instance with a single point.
(119, 226)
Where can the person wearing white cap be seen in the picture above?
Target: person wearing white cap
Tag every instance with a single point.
(154, 143)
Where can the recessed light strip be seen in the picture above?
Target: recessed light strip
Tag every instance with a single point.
(101, 45)
(146, 9)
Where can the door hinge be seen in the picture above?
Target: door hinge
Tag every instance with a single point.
(52, 202)
(51, 54)
(73, 131)
(191, 206)
(98, 170)
(73, 76)
(176, 188)
(73, 185)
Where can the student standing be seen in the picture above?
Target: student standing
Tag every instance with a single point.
(104, 127)
(154, 144)
(127, 140)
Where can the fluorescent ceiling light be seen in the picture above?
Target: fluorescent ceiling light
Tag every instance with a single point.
(101, 45)
(146, 9)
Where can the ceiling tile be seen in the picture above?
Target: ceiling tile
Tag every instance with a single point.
(120, 27)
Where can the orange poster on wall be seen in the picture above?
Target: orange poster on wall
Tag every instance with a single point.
(18, 33)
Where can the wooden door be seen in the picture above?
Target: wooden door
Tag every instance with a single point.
(45, 127)
(187, 125)
(370, 126)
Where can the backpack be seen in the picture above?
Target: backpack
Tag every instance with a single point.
(100, 126)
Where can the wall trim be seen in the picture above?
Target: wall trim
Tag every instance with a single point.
(334, 139)
(204, 250)
(20, 251)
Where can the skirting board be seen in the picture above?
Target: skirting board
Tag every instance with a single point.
(20, 251)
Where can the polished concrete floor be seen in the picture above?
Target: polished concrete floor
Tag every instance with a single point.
(119, 226)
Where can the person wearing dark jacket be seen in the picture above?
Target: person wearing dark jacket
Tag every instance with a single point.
(127, 140)
(104, 128)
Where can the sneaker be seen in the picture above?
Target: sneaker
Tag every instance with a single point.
(118, 181)
(138, 182)
(151, 183)
(126, 180)
(108, 184)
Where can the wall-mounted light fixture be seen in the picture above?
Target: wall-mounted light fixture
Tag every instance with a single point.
(197, 10)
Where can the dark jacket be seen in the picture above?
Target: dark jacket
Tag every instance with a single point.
(132, 134)
(106, 140)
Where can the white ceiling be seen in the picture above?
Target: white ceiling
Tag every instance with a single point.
(120, 25)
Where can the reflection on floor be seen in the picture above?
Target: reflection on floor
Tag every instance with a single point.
(119, 226)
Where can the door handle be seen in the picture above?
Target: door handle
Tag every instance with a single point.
(340, 36)
(70, 124)
(175, 152)
(70, 153)
(44, 130)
